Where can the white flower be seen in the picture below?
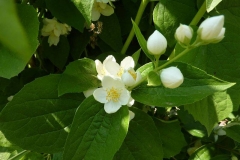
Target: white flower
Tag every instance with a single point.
(184, 34)
(131, 115)
(10, 98)
(116, 70)
(171, 77)
(130, 102)
(100, 67)
(130, 77)
(218, 131)
(54, 29)
(211, 30)
(101, 8)
(113, 94)
(156, 43)
(89, 92)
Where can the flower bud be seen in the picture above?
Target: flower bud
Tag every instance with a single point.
(171, 77)
(184, 34)
(156, 43)
(211, 30)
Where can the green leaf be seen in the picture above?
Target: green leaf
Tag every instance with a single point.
(13, 62)
(12, 29)
(142, 141)
(168, 14)
(32, 155)
(233, 132)
(37, 119)
(172, 138)
(153, 79)
(111, 32)
(78, 43)
(193, 127)
(141, 40)
(85, 7)
(222, 59)
(146, 69)
(66, 12)
(203, 153)
(196, 86)
(210, 110)
(58, 55)
(94, 133)
(211, 4)
(79, 76)
(136, 56)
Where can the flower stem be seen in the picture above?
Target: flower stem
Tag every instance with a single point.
(164, 65)
(199, 14)
(137, 20)
(194, 22)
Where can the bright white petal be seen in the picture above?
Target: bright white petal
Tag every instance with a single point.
(130, 102)
(100, 95)
(128, 79)
(112, 107)
(127, 63)
(109, 58)
(139, 76)
(112, 68)
(109, 82)
(107, 11)
(124, 97)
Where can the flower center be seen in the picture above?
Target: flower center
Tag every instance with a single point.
(113, 94)
(133, 74)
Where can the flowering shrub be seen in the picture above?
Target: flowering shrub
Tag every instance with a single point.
(119, 80)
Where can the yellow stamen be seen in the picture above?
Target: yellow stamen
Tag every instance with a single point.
(113, 94)
(133, 74)
(120, 72)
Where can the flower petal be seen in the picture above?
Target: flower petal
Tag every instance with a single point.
(128, 79)
(127, 63)
(89, 92)
(109, 82)
(124, 97)
(112, 68)
(100, 95)
(131, 115)
(107, 11)
(53, 40)
(112, 107)
(95, 14)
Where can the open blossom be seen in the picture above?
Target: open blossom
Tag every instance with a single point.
(100, 67)
(211, 30)
(184, 34)
(54, 29)
(113, 94)
(101, 8)
(156, 43)
(116, 70)
(130, 77)
(171, 77)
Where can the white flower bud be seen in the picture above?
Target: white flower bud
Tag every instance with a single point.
(211, 30)
(171, 77)
(184, 34)
(156, 43)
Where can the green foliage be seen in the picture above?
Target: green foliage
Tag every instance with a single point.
(94, 133)
(167, 16)
(211, 109)
(66, 12)
(196, 86)
(37, 119)
(136, 145)
(19, 31)
(45, 116)
(172, 138)
(79, 76)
